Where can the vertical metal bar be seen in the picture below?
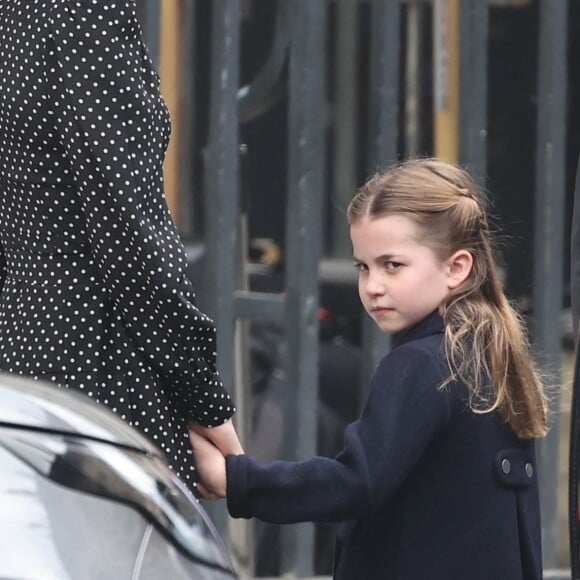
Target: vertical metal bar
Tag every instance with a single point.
(148, 12)
(413, 79)
(187, 113)
(473, 38)
(345, 122)
(241, 530)
(549, 243)
(221, 187)
(383, 129)
(306, 166)
(384, 83)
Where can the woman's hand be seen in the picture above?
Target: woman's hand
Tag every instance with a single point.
(223, 436)
(210, 446)
(211, 467)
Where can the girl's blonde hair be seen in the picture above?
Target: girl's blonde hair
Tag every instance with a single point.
(485, 339)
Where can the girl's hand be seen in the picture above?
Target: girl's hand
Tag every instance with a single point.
(211, 467)
(224, 437)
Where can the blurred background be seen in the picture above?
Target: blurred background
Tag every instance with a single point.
(281, 109)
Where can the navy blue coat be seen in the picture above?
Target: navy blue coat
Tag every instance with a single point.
(424, 488)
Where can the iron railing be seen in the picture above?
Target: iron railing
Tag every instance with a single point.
(300, 44)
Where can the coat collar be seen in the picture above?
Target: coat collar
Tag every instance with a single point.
(430, 325)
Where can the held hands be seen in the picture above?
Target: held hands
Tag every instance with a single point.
(210, 465)
(210, 446)
(223, 436)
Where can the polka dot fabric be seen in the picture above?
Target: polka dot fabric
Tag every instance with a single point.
(94, 295)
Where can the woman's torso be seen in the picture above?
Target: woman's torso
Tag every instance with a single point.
(64, 304)
(52, 302)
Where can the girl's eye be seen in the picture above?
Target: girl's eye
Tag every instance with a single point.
(392, 266)
(360, 267)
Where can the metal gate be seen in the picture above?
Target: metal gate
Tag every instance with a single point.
(320, 171)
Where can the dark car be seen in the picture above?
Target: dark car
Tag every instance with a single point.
(84, 496)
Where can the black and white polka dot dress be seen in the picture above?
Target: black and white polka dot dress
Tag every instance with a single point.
(94, 295)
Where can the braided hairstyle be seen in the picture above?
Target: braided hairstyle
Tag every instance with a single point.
(485, 340)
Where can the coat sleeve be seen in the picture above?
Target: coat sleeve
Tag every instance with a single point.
(575, 257)
(114, 128)
(404, 411)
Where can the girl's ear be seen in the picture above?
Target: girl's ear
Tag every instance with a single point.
(458, 268)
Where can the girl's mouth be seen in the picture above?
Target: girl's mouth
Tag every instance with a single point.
(382, 310)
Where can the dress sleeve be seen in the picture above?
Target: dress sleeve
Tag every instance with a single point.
(404, 412)
(2, 268)
(114, 128)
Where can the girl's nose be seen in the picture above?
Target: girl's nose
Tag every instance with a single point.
(375, 284)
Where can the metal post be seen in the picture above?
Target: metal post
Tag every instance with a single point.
(473, 35)
(548, 240)
(413, 79)
(383, 123)
(306, 166)
(344, 123)
(241, 531)
(186, 217)
(384, 83)
(221, 189)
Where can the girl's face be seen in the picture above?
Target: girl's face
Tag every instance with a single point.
(401, 280)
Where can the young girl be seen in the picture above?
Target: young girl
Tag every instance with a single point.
(437, 479)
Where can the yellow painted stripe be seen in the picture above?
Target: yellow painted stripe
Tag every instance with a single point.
(446, 79)
(169, 73)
